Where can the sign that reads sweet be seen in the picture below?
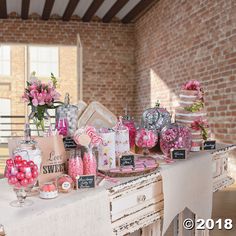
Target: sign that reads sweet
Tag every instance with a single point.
(209, 145)
(178, 154)
(127, 160)
(85, 181)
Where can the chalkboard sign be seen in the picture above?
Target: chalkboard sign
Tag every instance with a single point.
(127, 160)
(69, 143)
(209, 145)
(178, 154)
(85, 181)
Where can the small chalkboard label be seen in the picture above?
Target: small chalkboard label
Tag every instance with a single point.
(178, 154)
(127, 160)
(209, 145)
(85, 181)
(69, 143)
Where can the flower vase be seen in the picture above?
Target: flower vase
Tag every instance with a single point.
(41, 119)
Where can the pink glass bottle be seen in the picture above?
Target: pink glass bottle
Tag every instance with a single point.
(75, 165)
(90, 162)
(62, 125)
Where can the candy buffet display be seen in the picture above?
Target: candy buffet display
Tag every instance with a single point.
(48, 191)
(155, 118)
(22, 176)
(65, 184)
(70, 112)
(192, 113)
(175, 136)
(146, 139)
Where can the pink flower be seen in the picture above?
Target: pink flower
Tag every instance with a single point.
(25, 97)
(192, 85)
(35, 102)
(199, 123)
(33, 87)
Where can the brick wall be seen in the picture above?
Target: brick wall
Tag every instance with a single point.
(178, 40)
(108, 53)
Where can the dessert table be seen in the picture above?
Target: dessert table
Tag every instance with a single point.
(147, 202)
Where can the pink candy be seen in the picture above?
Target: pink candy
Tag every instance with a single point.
(146, 138)
(174, 137)
(75, 167)
(90, 163)
(132, 131)
(62, 126)
(95, 138)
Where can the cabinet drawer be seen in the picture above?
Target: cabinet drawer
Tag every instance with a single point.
(134, 201)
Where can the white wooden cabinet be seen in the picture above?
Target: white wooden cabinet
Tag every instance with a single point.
(137, 204)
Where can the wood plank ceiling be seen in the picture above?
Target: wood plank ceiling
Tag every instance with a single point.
(125, 11)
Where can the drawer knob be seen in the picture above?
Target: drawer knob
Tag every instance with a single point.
(141, 198)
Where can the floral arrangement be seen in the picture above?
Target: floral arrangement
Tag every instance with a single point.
(197, 106)
(41, 96)
(202, 125)
(194, 85)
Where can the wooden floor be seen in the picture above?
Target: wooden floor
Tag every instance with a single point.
(224, 206)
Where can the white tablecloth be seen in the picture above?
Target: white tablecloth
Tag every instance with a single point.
(82, 213)
(188, 183)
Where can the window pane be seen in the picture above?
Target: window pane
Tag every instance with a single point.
(43, 60)
(5, 63)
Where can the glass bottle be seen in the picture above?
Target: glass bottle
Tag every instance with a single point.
(90, 162)
(75, 165)
(62, 125)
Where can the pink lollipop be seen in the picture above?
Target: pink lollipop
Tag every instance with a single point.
(95, 138)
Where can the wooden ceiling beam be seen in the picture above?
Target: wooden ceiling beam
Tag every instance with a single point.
(3, 9)
(47, 9)
(25, 9)
(70, 9)
(118, 5)
(140, 7)
(92, 10)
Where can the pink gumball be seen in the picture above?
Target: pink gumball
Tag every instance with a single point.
(20, 175)
(18, 158)
(28, 175)
(24, 162)
(30, 163)
(34, 167)
(9, 162)
(14, 171)
(31, 180)
(35, 173)
(13, 179)
(24, 182)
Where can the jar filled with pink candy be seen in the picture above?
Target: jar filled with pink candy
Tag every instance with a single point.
(75, 165)
(90, 162)
(146, 139)
(175, 136)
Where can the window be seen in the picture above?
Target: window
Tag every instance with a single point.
(5, 60)
(43, 60)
